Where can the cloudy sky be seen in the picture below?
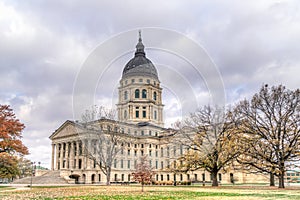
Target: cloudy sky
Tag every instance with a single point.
(46, 47)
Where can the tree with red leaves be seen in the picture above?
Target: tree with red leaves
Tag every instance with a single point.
(11, 145)
(143, 172)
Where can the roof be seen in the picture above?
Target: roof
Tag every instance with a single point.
(140, 65)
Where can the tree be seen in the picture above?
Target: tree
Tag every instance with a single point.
(25, 167)
(11, 145)
(269, 124)
(210, 139)
(108, 140)
(143, 172)
(11, 132)
(8, 166)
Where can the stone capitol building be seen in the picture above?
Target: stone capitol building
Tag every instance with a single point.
(141, 127)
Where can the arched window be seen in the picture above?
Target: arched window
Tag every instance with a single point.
(137, 93)
(125, 95)
(144, 93)
(154, 96)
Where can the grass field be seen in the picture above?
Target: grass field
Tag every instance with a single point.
(151, 192)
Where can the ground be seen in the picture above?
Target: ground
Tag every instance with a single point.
(151, 192)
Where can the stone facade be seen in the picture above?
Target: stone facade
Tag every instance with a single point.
(140, 125)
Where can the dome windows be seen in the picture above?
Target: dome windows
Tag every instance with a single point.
(125, 95)
(154, 96)
(144, 93)
(137, 93)
(125, 114)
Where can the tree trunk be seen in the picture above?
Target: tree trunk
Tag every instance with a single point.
(142, 187)
(281, 180)
(281, 173)
(108, 178)
(215, 179)
(272, 179)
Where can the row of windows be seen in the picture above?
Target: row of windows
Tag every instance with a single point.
(168, 177)
(140, 81)
(137, 94)
(137, 113)
(150, 153)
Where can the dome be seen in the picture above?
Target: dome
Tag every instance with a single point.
(140, 65)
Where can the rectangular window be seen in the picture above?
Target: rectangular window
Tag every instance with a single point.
(150, 153)
(122, 177)
(150, 163)
(135, 153)
(140, 80)
(150, 133)
(128, 152)
(142, 152)
(220, 177)
(115, 163)
(142, 132)
(142, 145)
(122, 163)
(168, 151)
(174, 150)
(137, 114)
(181, 149)
(162, 164)
(156, 164)
(128, 164)
(156, 153)
(148, 81)
(161, 152)
(132, 80)
(144, 113)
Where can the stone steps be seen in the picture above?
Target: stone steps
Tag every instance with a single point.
(51, 177)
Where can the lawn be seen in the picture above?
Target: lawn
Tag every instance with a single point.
(151, 192)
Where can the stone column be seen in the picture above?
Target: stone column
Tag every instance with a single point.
(56, 156)
(52, 157)
(72, 156)
(61, 160)
(88, 151)
(84, 151)
(67, 156)
(77, 155)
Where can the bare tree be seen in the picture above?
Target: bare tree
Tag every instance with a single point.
(210, 139)
(107, 142)
(143, 173)
(270, 126)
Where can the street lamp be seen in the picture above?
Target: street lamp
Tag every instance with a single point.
(32, 164)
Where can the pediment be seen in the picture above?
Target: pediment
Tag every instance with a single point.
(67, 129)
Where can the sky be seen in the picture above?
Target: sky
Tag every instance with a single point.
(54, 53)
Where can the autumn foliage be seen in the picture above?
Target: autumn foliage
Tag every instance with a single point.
(143, 172)
(11, 145)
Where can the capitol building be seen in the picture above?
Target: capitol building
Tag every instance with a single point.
(80, 150)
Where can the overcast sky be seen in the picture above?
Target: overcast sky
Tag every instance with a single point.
(45, 45)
